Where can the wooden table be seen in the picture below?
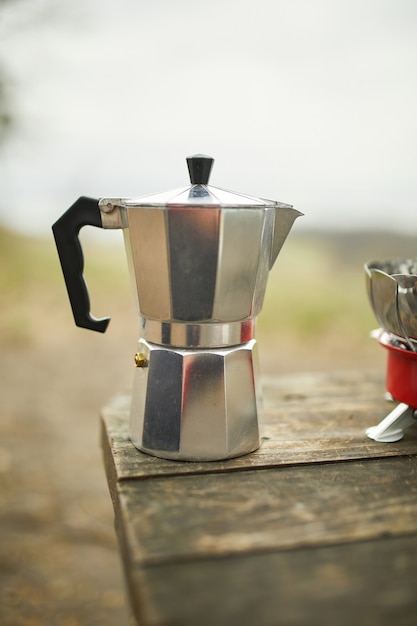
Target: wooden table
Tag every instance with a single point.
(317, 527)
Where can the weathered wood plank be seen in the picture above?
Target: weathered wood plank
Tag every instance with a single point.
(366, 584)
(306, 419)
(317, 527)
(175, 519)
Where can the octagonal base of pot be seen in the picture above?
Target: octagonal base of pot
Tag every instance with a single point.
(195, 405)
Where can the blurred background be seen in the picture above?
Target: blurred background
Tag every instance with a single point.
(306, 101)
(309, 102)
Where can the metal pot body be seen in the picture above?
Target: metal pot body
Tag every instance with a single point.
(199, 259)
(195, 405)
(199, 264)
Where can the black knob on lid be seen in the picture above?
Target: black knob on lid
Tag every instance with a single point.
(199, 167)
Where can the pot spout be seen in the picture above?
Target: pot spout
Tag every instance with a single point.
(285, 216)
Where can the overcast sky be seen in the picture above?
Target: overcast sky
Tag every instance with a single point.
(310, 102)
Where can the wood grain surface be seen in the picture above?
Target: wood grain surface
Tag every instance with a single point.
(307, 418)
(317, 527)
(357, 584)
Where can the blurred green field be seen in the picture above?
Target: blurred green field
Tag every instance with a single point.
(315, 297)
(316, 306)
(312, 292)
(33, 299)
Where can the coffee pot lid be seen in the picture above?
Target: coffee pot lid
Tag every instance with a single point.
(200, 193)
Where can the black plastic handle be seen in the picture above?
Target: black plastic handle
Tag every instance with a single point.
(84, 212)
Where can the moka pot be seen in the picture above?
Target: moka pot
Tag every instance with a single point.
(199, 259)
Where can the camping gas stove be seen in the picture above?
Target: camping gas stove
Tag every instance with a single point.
(392, 291)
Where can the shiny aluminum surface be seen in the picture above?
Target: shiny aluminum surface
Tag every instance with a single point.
(192, 196)
(210, 335)
(195, 405)
(392, 427)
(202, 265)
(199, 259)
(392, 291)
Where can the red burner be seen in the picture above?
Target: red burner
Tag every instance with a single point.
(401, 377)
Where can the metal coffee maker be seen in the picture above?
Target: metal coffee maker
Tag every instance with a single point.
(199, 259)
